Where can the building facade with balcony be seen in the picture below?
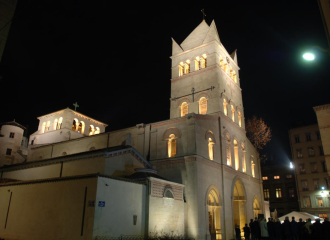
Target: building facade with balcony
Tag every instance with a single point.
(310, 170)
(279, 188)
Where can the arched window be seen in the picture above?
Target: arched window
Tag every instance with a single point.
(43, 127)
(221, 63)
(59, 124)
(225, 110)
(234, 76)
(203, 62)
(55, 124)
(168, 193)
(81, 127)
(91, 130)
(225, 67)
(243, 159)
(47, 126)
(184, 109)
(75, 124)
(232, 113)
(202, 105)
(211, 153)
(171, 147)
(197, 64)
(228, 149)
(236, 155)
(252, 169)
(239, 119)
(231, 72)
(97, 130)
(181, 69)
(187, 67)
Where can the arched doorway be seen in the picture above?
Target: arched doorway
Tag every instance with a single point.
(213, 209)
(239, 201)
(256, 208)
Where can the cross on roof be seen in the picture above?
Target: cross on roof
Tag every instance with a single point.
(75, 106)
(204, 15)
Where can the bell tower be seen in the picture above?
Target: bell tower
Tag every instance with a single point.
(205, 77)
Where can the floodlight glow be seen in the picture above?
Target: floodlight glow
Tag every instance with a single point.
(322, 188)
(309, 56)
(291, 165)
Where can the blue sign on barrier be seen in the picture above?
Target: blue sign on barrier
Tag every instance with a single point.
(101, 204)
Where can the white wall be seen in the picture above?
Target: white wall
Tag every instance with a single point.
(122, 200)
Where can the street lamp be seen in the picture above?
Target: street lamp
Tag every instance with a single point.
(310, 56)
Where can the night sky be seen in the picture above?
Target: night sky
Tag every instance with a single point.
(113, 59)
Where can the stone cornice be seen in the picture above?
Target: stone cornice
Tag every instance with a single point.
(167, 122)
(322, 107)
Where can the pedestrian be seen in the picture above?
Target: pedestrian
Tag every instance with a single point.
(238, 232)
(306, 235)
(286, 229)
(294, 229)
(300, 228)
(256, 229)
(271, 230)
(251, 229)
(317, 230)
(247, 232)
(263, 229)
(326, 228)
(278, 230)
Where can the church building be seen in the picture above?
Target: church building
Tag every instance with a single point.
(195, 174)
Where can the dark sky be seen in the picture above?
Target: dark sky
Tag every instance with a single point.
(113, 59)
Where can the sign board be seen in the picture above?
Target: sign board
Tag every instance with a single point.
(101, 204)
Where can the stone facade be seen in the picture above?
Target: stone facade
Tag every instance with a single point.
(310, 170)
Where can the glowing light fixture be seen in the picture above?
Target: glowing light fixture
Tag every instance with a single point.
(309, 56)
(291, 165)
(322, 188)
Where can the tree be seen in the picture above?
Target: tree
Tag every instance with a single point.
(258, 132)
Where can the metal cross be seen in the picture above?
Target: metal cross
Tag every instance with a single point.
(193, 93)
(75, 106)
(204, 15)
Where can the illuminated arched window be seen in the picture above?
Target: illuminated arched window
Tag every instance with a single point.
(187, 67)
(225, 110)
(81, 127)
(97, 130)
(43, 127)
(239, 119)
(202, 105)
(197, 63)
(75, 124)
(168, 193)
(252, 169)
(211, 153)
(171, 146)
(228, 149)
(221, 63)
(184, 109)
(236, 155)
(232, 113)
(230, 72)
(243, 159)
(47, 126)
(181, 69)
(55, 124)
(203, 62)
(234, 76)
(59, 124)
(91, 130)
(225, 67)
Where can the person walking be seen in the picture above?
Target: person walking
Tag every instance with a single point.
(294, 229)
(247, 232)
(300, 228)
(238, 232)
(317, 230)
(256, 229)
(263, 229)
(251, 229)
(326, 228)
(306, 235)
